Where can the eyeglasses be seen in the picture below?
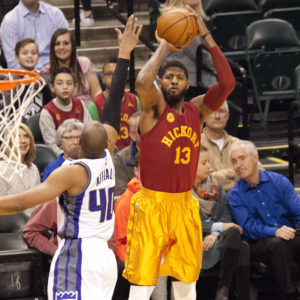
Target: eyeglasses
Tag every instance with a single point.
(221, 112)
(71, 138)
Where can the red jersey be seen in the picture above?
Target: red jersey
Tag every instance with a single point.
(169, 152)
(130, 104)
(59, 116)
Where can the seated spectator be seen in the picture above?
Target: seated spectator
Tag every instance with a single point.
(30, 19)
(40, 231)
(27, 55)
(130, 104)
(221, 238)
(218, 142)
(67, 138)
(267, 208)
(30, 176)
(61, 108)
(41, 225)
(63, 54)
(124, 159)
(122, 209)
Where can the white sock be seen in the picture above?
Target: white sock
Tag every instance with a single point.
(140, 292)
(184, 291)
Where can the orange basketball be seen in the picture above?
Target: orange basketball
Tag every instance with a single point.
(177, 27)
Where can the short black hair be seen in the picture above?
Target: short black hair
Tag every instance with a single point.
(59, 71)
(173, 63)
(111, 60)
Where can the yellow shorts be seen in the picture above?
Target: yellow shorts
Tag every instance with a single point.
(163, 225)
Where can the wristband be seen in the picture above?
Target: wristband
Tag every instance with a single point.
(205, 34)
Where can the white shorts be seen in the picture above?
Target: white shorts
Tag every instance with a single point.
(82, 269)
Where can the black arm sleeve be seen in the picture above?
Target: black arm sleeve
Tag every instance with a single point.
(111, 113)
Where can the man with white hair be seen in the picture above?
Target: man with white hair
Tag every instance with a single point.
(67, 138)
(267, 208)
(218, 142)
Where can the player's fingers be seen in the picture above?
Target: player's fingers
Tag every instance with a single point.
(139, 30)
(128, 26)
(118, 31)
(134, 25)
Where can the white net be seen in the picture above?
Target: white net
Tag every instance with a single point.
(13, 105)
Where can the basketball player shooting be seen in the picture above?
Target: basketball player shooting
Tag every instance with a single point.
(164, 218)
(83, 266)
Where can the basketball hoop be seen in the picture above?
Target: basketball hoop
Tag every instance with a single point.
(6, 85)
(17, 89)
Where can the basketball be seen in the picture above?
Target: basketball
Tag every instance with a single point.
(177, 27)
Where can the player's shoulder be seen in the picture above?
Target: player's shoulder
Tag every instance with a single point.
(10, 18)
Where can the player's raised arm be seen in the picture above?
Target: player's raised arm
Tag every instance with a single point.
(218, 93)
(148, 93)
(112, 107)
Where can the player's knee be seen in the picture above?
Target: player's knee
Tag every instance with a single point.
(184, 291)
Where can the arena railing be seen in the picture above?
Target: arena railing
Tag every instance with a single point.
(294, 147)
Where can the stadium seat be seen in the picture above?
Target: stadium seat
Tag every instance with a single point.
(44, 156)
(23, 271)
(221, 6)
(291, 14)
(266, 5)
(33, 124)
(272, 67)
(228, 21)
(297, 82)
(288, 10)
(12, 223)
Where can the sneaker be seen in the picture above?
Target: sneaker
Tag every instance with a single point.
(85, 21)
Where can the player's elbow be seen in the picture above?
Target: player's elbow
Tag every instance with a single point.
(228, 85)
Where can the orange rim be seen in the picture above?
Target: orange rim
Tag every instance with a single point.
(6, 85)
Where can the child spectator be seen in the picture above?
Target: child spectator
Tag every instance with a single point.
(27, 55)
(62, 107)
(130, 104)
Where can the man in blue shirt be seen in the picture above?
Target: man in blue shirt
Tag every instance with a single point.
(30, 19)
(267, 208)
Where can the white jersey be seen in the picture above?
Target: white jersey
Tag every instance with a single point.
(90, 213)
(83, 267)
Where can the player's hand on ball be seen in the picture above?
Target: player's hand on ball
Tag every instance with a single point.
(170, 47)
(202, 29)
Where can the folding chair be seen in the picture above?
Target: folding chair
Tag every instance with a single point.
(272, 67)
(44, 156)
(23, 271)
(33, 124)
(228, 21)
(297, 82)
(266, 5)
